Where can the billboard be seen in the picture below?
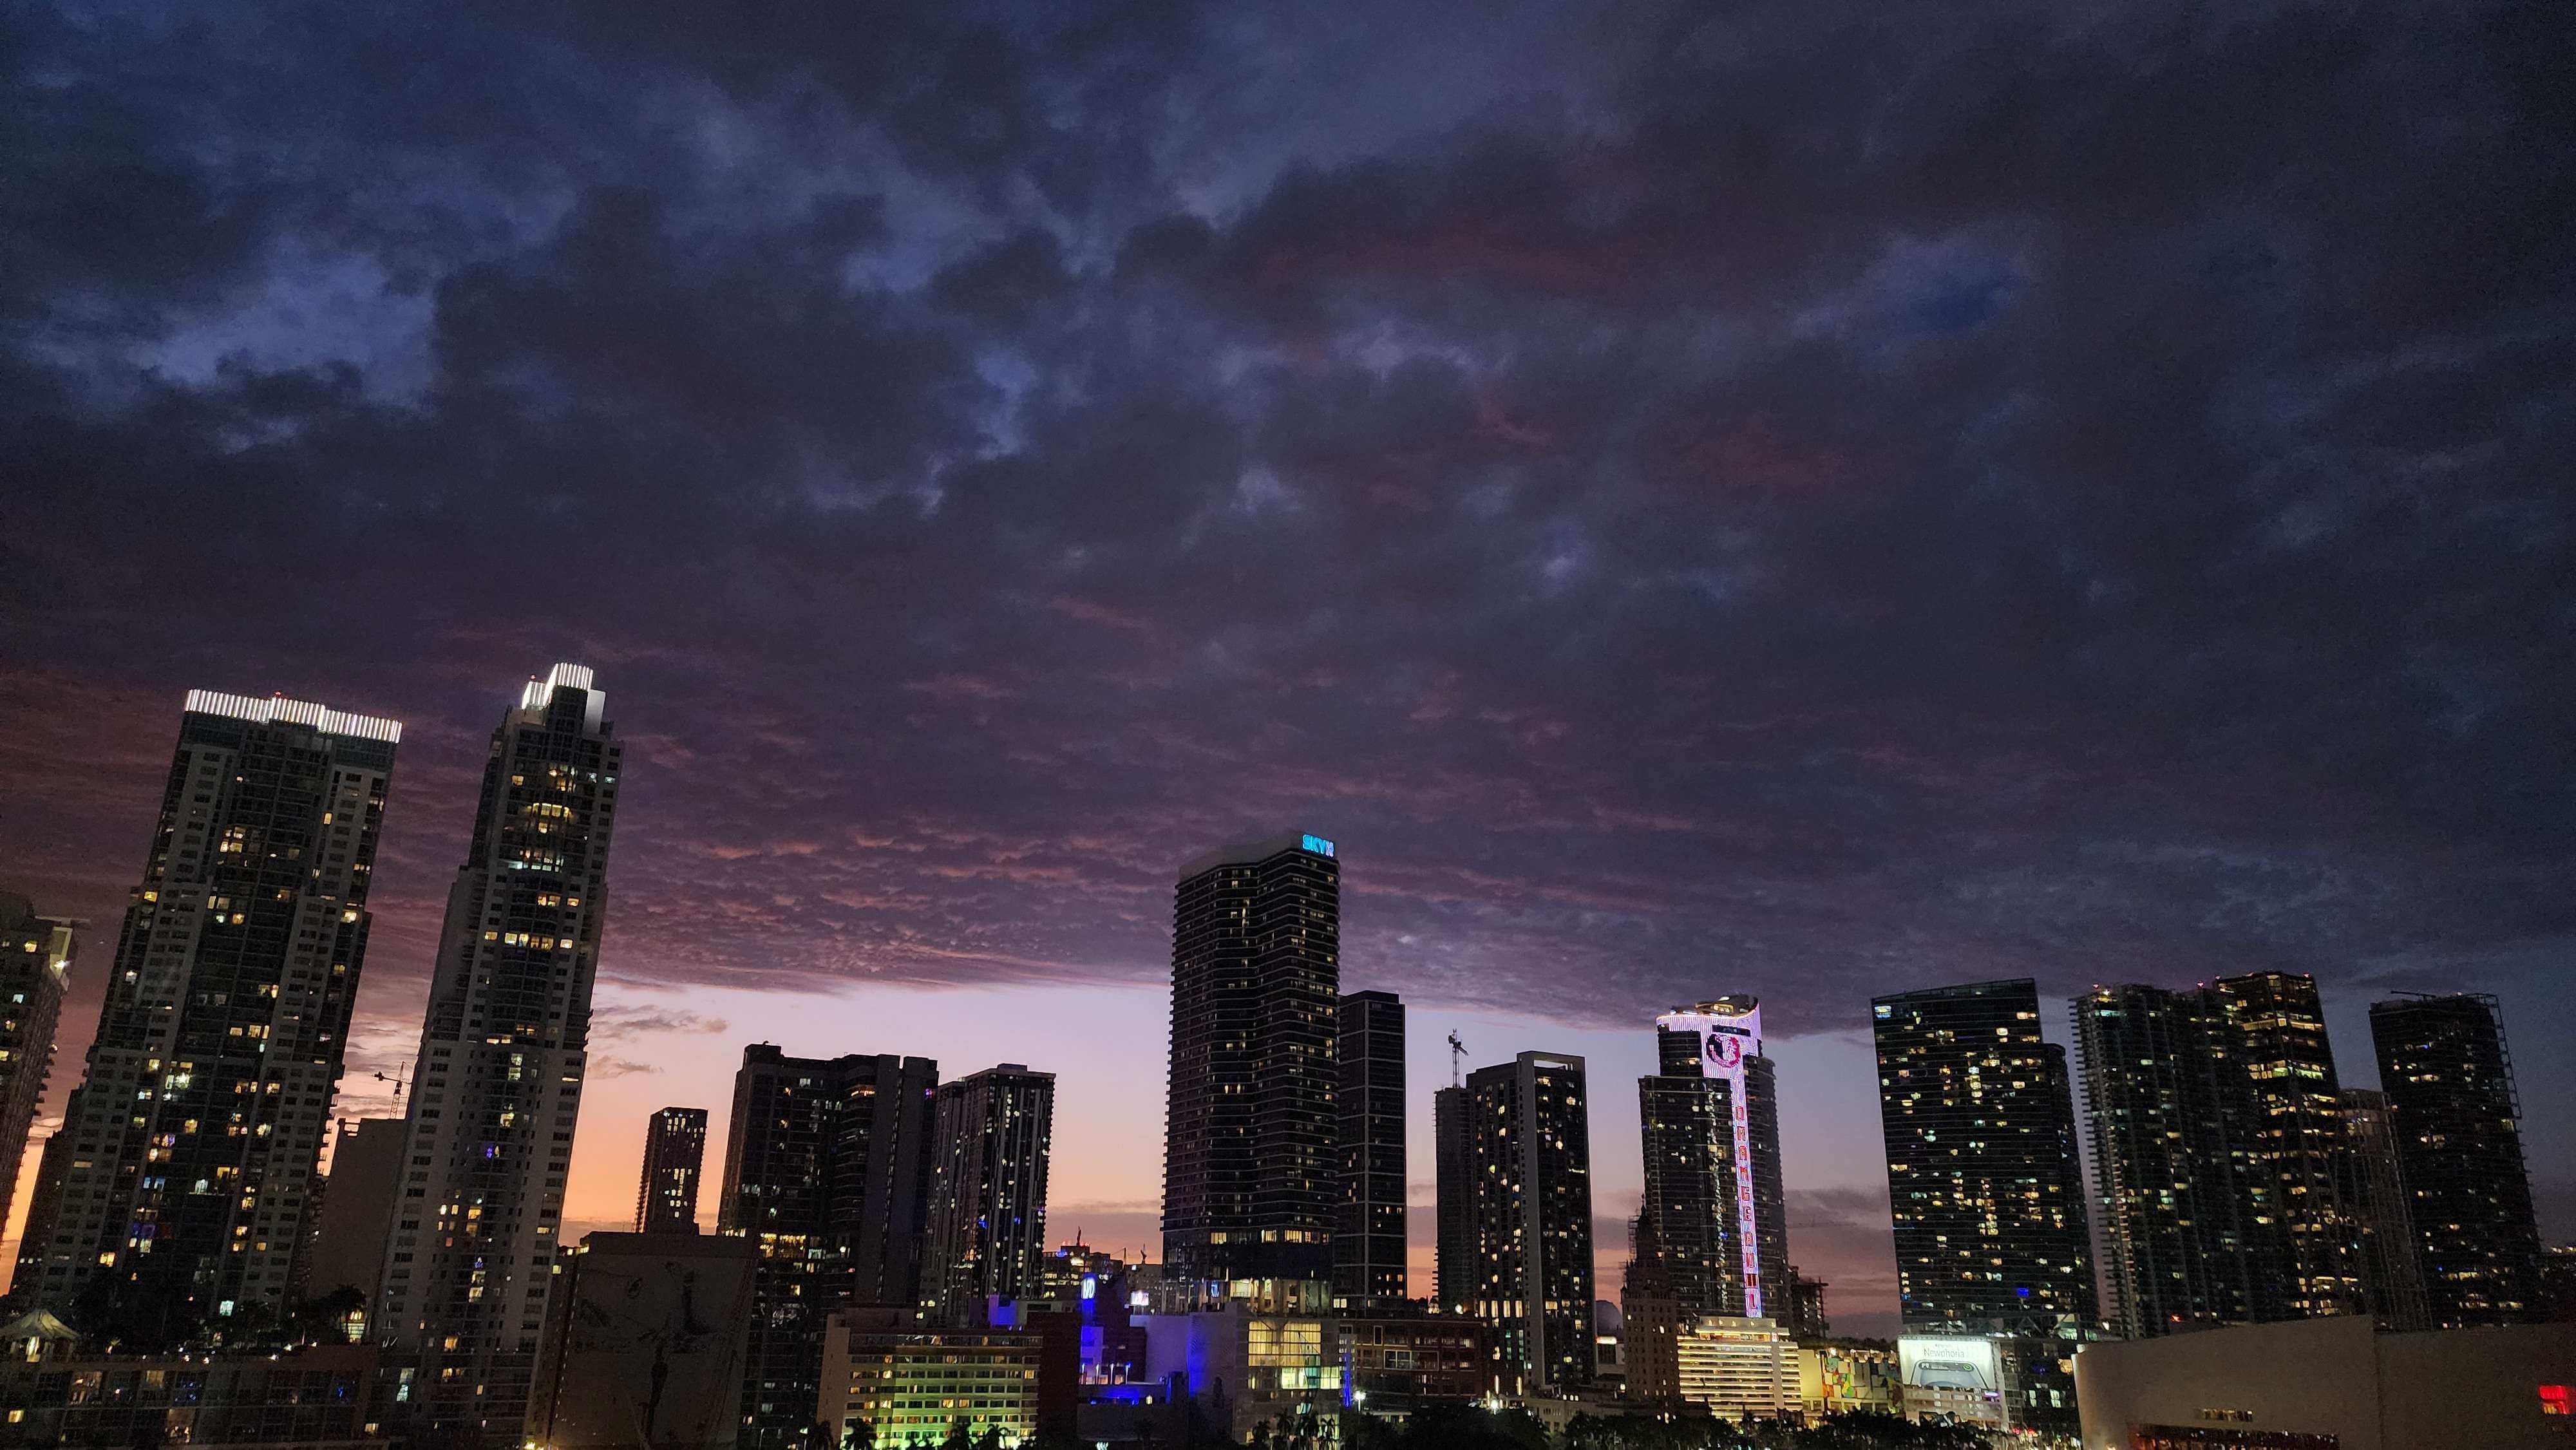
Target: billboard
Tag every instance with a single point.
(1950, 1362)
(1730, 1031)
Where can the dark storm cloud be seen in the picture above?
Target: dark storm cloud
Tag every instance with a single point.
(1800, 498)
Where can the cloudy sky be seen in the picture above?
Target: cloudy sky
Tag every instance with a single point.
(1804, 498)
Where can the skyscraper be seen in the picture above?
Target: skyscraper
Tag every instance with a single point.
(1453, 1164)
(2449, 1080)
(2374, 1194)
(35, 959)
(2189, 1220)
(175, 1192)
(1368, 1237)
(1251, 1160)
(1710, 1130)
(1530, 1193)
(503, 1052)
(2277, 1039)
(988, 1189)
(1981, 1164)
(356, 1221)
(827, 1171)
(675, 1153)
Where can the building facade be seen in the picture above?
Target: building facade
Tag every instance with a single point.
(1368, 1231)
(35, 964)
(1453, 1165)
(173, 1198)
(675, 1155)
(503, 1053)
(1710, 1130)
(2276, 1038)
(645, 1340)
(1982, 1168)
(827, 1172)
(2374, 1196)
(357, 1217)
(1529, 1138)
(2449, 1080)
(2190, 1222)
(913, 1385)
(1251, 1161)
(1743, 1369)
(988, 1190)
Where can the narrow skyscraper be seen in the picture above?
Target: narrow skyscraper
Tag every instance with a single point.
(988, 1187)
(1453, 1166)
(1709, 1122)
(175, 1192)
(35, 961)
(1368, 1238)
(2277, 1032)
(2449, 1081)
(675, 1152)
(827, 1172)
(1251, 1160)
(1529, 1190)
(497, 1087)
(2190, 1223)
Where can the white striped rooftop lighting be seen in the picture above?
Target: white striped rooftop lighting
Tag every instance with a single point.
(538, 692)
(294, 712)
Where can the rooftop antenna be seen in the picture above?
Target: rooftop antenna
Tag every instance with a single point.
(1457, 1054)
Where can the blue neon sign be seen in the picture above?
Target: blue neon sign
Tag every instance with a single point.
(1319, 845)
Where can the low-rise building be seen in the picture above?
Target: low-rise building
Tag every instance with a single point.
(2332, 1384)
(1246, 1366)
(1841, 1377)
(322, 1398)
(911, 1384)
(1399, 1362)
(647, 1341)
(1743, 1369)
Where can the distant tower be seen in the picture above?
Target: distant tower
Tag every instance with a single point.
(1981, 1164)
(1529, 1134)
(35, 959)
(1368, 1236)
(988, 1192)
(675, 1150)
(183, 1168)
(2449, 1081)
(1251, 1160)
(1454, 1168)
(497, 1086)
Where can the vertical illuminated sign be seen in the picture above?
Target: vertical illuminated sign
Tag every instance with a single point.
(1726, 1039)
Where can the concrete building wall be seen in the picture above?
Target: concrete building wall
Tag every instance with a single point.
(2476, 1389)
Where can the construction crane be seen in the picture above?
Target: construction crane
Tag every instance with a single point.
(1457, 1055)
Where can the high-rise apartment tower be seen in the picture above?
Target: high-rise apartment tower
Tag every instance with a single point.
(35, 962)
(174, 1195)
(988, 1190)
(503, 1053)
(1529, 1189)
(2449, 1080)
(1368, 1237)
(1252, 1177)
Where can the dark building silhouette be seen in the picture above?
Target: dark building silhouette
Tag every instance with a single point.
(645, 1342)
(2374, 1196)
(1712, 1174)
(504, 1049)
(1530, 1190)
(1368, 1235)
(1650, 1314)
(172, 1201)
(35, 960)
(827, 1172)
(1251, 1161)
(357, 1216)
(1807, 1321)
(2189, 1216)
(675, 1154)
(2277, 1039)
(1454, 1201)
(988, 1190)
(2449, 1081)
